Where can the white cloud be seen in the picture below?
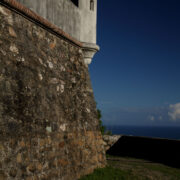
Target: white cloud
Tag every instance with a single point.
(174, 112)
(152, 118)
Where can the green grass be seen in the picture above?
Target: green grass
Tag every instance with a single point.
(126, 168)
(173, 173)
(110, 173)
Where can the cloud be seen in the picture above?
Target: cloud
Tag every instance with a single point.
(137, 116)
(152, 118)
(174, 111)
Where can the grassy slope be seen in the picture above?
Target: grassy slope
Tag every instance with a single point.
(121, 168)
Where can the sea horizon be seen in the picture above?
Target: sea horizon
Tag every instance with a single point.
(168, 132)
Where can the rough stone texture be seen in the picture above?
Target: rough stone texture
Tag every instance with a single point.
(110, 140)
(48, 120)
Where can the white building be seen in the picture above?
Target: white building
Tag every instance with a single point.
(78, 18)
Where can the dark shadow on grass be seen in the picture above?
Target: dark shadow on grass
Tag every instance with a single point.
(153, 149)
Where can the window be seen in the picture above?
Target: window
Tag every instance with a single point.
(92, 5)
(76, 2)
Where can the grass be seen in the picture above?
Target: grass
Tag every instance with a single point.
(125, 168)
(109, 173)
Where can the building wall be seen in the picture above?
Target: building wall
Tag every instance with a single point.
(48, 120)
(79, 22)
(159, 150)
(88, 21)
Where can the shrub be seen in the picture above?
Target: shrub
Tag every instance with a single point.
(101, 126)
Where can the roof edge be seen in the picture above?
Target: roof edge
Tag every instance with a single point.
(34, 17)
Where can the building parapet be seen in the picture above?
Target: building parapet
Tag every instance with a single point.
(32, 16)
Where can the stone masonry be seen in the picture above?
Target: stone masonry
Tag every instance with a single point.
(110, 140)
(48, 120)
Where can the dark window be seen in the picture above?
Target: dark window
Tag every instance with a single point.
(92, 5)
(76, 2)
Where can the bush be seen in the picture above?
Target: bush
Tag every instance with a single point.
(101, 126)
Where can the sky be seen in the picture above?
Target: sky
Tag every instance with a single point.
(136, 74)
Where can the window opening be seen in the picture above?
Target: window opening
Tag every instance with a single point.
(75, 2)
(92, 5)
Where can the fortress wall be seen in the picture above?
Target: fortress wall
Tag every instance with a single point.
(48, 120)
(79, 22)
(158, 150)
(88, 21)
(62, 13)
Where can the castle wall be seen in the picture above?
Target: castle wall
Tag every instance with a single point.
(79, 22)
(62, 13)
(88, 21)
(48, 120)
(159, 150)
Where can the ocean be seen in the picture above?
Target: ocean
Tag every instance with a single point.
(170, 132)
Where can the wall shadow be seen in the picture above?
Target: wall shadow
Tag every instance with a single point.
(163, 151)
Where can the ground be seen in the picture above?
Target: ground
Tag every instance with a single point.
(125, 168)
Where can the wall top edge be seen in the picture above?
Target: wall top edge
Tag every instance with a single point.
(22, 10)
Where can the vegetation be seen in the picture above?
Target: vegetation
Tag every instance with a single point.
(110, 173)
(102, 127)
(124, 168)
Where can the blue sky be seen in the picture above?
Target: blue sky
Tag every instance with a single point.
(136, 74)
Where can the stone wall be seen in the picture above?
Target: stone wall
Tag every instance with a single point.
(48, 120)
(78, 21)
(110, 140)
(157, 150)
